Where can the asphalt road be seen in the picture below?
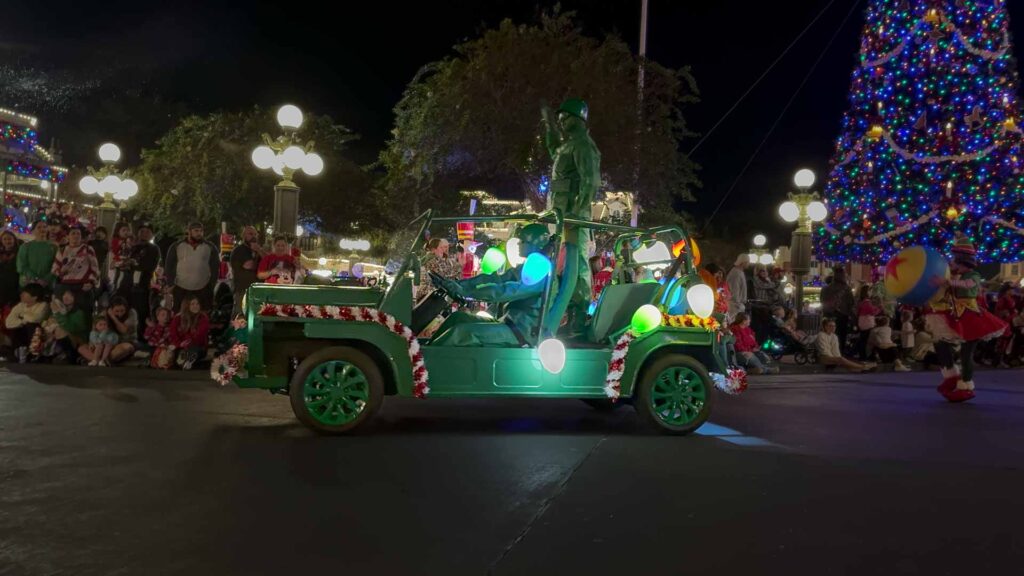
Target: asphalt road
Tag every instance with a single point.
(135, 472)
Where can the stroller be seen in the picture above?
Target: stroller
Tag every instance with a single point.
(1015, 348)
(779, 344)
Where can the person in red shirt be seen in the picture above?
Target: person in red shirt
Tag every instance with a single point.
(77, 270)
(280, 266)
(867, 311)
(748, 353)
(190, 331)
(467, 259)
(1006, 309)
(602, 276)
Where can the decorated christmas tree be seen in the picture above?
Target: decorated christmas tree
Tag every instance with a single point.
(931, 143)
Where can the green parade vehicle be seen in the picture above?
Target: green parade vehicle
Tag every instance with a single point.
(338, 351)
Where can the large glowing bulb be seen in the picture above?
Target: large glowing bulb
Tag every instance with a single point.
(552, 355)
(89, 185)
(313, 164)
(789, 211)
(263, 157)
(294, 157)
(536, 268)
(111, 184)
(110, 153)
(804, 178)
(645, 319)
(493, 261)
(701, 299)
(512, 252)
(289, 116)
(816, 211)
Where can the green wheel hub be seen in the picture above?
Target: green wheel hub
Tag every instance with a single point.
(677, 396)
(335, 392)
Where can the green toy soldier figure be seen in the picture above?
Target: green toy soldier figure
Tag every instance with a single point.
(575, 176)
(524, 301)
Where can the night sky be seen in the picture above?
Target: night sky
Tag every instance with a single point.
(71, 62)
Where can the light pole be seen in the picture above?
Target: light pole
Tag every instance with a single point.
(111, 183)
(803, 207)
(286, 155)
(759, 255)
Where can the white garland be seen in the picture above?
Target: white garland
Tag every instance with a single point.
(893, 233)
(1005, 224)
(986, 54)
(361, 314)
(911, 225)
(908, 155)
(981, 52)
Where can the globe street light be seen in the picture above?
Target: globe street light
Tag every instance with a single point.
(286, 155)
(803, 207)
(804, 179)
(759, 255)
(110, 183)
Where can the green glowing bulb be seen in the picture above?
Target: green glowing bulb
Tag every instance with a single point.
(645, 319)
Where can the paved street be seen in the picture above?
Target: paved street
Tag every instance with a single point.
(111, 472)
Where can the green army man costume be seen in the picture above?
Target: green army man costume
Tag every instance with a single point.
(575, 177)
(524, 302)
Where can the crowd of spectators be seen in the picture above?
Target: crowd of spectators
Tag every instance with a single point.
(70, 293)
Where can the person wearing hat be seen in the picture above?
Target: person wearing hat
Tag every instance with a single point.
(956, 318)
(575, 177)
(245, 259)
(737, 281)
(522, 313)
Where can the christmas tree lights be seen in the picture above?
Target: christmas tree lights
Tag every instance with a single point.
(931, 143)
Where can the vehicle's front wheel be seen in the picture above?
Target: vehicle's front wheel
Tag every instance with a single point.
(675, 394)
(336, 389)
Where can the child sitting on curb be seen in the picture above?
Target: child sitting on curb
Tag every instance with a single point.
(158, 337)
(748, 353)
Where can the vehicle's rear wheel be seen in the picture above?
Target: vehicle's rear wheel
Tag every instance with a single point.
(800, 357)
(675, 394)
(603, 404)
(336, 389)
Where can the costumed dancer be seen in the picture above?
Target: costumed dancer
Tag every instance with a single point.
(956, 318)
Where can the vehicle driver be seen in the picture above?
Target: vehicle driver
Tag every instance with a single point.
(522, 313)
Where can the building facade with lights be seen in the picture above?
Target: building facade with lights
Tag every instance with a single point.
(29, 173)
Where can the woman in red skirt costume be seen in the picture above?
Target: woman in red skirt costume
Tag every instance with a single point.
(956, 318)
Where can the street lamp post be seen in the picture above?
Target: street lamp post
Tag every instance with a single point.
(110, 182)
(758, 255)
(803, 207)
(286, 155)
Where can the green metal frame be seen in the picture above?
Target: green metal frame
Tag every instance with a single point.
(455, 371)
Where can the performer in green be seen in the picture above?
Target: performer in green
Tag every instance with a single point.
(575, 177)
(524, 301)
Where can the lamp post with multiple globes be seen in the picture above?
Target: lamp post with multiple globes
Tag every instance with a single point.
(758, 255)
(286, 155)
(803, 207)
(109, 182)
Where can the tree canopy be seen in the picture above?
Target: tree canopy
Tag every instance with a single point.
(473, 120)
(201, 170)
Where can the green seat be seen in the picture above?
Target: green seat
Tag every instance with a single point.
(616, 306)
